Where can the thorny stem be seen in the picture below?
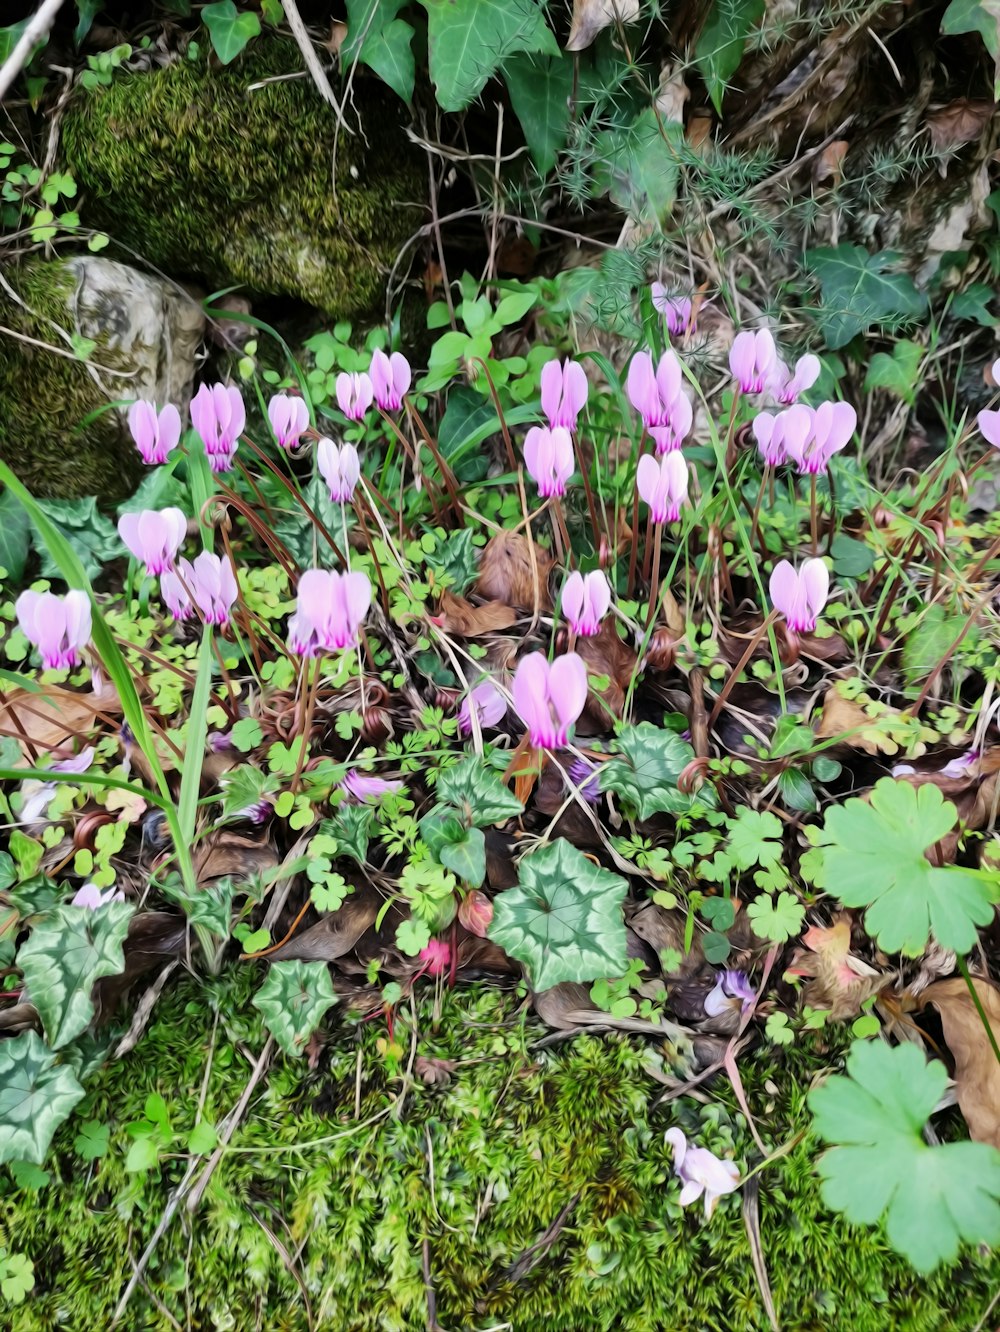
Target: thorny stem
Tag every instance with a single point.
(738, 669)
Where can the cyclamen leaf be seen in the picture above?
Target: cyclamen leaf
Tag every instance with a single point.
(64, 955)
(36, 1096)
(468, 40)
(931, 1197)
(477, 793)
(293, 1000)
(646, 774)
(873, 856)
(563, 921)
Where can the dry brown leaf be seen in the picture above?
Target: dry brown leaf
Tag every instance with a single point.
(231, 855)
(568, 1007)
(507, 572)
(592, 16)
(458, 616)
(977, 1072)
(54, 716)
(699, 132)
(845, 719)
(838, 981)
(336, 934)
(829, 165)
(609, 655)
(959, 122)
(664, 931)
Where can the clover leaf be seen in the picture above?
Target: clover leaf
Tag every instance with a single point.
(873, 856)
(563, 920)
(880, 1166)
(293, 1000)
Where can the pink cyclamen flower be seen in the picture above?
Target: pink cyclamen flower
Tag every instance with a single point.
(156, 435)
(585, 602)
(436, 958)
(390, 378)
(489, 704)
(585, 777)
(91, 897)
(663, 484)
(675, 309)
(548, 456)
(701, 1172)
(154, 536)
(780, 435)
(785, 385)
(58, 626)
(549, 697)
(833, 424)
(213, 586)
(564, 393)
(340, 468)
(360, 787)
(800, 594)
(289, 419)
(354, 395)
(659, 399)
(328, 612)
(174, 593)
(752, 358)
(219, 416)
(989, 426)
(731, 987)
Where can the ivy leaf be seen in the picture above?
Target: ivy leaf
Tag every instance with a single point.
(380, 40)
(468, 40)
(244, 787)
(293, 1000)
(36, 1096)
(229, 30)
(982, 16)
(873, 856)
(66, 952)
(540, 88)
(880, 1166)
(646, 774)
(776, 919)
(858, 291)
(477, 793)
(723, 38)
(563, 920)
(211, 906)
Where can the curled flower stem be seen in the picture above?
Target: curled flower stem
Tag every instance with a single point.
(738, 669)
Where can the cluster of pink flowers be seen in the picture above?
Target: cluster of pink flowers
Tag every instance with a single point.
(757, 368)
(548, 450)
(207, 584)
(677, 310)
(386, 383)
(328, 612)
(805, 436)
(219, 416)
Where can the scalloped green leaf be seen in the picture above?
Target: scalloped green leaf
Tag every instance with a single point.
(477, 793)
(66, 952)
(873, 857)
(293, 1000)
(36, 1096)
(880, 1167)
(645, 774)
(563, 921)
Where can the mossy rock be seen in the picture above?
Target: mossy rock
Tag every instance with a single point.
(200, 176)
(142, 334)
(353, 1216)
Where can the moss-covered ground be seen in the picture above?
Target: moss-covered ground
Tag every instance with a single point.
(238, 174)
(320, 1217)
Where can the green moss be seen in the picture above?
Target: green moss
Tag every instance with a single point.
(200, 176)
(314, 1198)
(45, 396)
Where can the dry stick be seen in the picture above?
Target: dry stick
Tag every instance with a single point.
(300, 499)
(408, 448)
(737, 671)
(33, 33)
(230, 1126)
(313, 65)
(585, 474)
(500, 416)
